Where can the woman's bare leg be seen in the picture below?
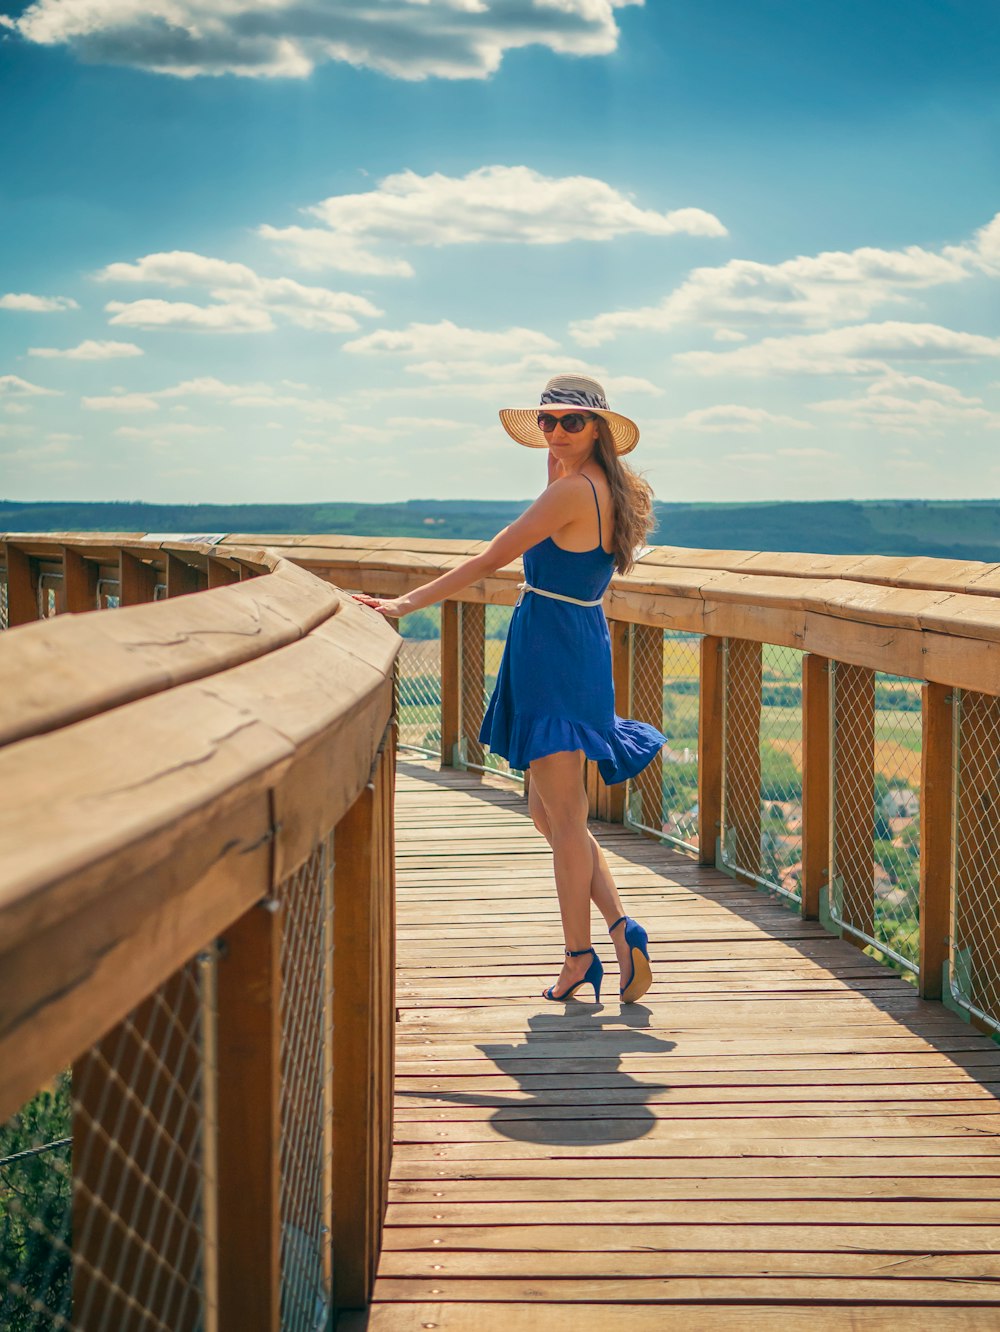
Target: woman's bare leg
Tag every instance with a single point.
(602, 889)
(558, 781)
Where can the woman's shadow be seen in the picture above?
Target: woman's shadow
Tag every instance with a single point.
(578, 1093)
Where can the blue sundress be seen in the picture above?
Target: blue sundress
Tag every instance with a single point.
(554, 689)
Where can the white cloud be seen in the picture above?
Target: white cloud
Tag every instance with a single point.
(448, 339)
(861, 349)
(450, 39)
(44, 457)
(734, 418)
(900, 404)
(247, 299)
(816, 290)
(175, 429)
(187, 318)
(14, 386)
(615, 384)
(36, 304)
(122, 402)
(425, 423)
(490, 205)
(254, 395)
(983, 251)
(89, 351)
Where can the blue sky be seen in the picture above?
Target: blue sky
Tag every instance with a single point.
(284, 251)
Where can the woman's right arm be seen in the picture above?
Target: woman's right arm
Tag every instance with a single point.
(563, 499)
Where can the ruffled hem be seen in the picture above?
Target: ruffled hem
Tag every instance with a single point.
(620, 753)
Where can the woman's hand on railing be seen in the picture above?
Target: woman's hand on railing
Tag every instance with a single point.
(391, 607)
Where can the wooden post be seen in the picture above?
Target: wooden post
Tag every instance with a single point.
(79, 581)
(220, 574)
(137, 1166)
(854, 786)
(136, 580)
(473, 680)
(363, 1014)
(611, 799)
(450, 683)
(591, 778)
(815, 782)
(709, 748)
(935, 835)
(22, 587)
(741, 834)
(249, 1132)
(647, 706)
(182, 578)
(385, 979)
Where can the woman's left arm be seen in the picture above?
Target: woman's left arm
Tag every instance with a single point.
(554, 508)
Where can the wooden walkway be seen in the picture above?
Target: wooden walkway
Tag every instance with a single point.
(780, 1135)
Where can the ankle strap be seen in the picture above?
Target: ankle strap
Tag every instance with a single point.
(579, 952)
(617, 923)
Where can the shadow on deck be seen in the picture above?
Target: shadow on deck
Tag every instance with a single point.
(781, 1129)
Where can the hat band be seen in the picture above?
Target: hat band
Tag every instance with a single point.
(575, 398)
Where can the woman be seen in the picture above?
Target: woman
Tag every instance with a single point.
(553, 704)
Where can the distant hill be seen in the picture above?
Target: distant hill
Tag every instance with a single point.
(953, 529)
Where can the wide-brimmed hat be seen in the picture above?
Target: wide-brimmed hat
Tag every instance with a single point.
(521, 423)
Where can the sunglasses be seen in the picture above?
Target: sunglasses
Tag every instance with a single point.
(572, 422)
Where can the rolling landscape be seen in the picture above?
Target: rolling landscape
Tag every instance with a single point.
(950, 529)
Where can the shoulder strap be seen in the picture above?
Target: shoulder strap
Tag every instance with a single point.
(600, 538)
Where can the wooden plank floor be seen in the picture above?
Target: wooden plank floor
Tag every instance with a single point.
(781, 1130)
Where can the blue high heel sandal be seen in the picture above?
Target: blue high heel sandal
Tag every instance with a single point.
(642, 977)
(594, 976)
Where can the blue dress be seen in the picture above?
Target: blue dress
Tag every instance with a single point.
(554, 689)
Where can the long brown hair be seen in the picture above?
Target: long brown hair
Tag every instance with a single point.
(631, 499)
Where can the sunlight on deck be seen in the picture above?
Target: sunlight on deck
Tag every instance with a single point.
(781, 1123)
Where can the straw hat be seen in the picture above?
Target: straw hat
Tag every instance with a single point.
(521, 423)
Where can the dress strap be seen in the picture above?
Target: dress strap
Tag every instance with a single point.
(600, 538)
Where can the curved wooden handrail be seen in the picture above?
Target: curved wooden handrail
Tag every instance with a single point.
(59, 671)
(942, 623)
(150, 811)
(944, 627)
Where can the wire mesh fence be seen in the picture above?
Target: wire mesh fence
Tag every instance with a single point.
(50, 587)
(418, 668)
(305, 900)
(974, 964)
(102, 1177)
(875, 842)
(482, 635)
(762, 764)
(664, 675)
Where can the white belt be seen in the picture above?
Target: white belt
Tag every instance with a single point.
(526, 587)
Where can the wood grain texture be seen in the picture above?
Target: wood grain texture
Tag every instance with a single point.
(131, 831)
(937, 620)
(781, 1129)
(936, 772)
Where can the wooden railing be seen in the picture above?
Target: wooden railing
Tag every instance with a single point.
(187, 792)
(188, 787)
(842, 624)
